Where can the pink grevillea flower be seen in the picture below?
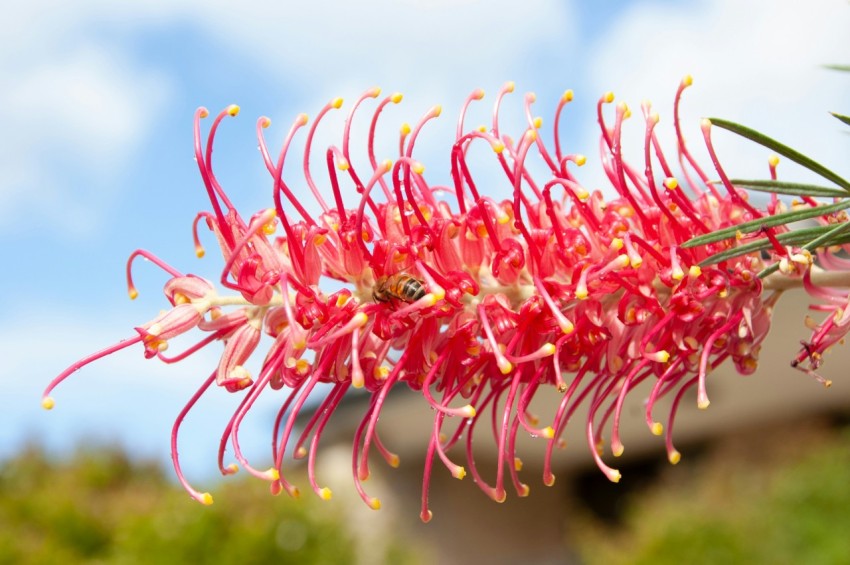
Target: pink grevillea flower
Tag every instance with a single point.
(477, 303)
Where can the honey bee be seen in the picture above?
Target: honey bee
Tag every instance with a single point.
(400, 286)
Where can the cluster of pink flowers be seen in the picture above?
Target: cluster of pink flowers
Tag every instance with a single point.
(476, 303)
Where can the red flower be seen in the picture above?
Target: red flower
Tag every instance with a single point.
(475, 302)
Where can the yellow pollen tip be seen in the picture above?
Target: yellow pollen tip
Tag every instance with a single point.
(459, 473)
(48, 403)
(394, 461)
(405, 128)
(204, 113)
(674, 457)
(325, 493)
(336, 103)
(705, 123)
(320, 239)
(670, 183)
(531, 135)
(498, 147)
(206, 499)
(273, 474)
(468, 411)
(617, 450)
(396, 97)
(437, 111)
(568, 96)
(360, 319)
(581, 293)
(548, 432)
(200, 252)
(608, 97)
(133, 293)
(694, 271)
(265, 122)
(703, 404)
(418, 168)
(616, 244)
(375, 92)
(233, 110)
(505, 366)
(567, 327)
(482, 129)
(375, 504)
(614, 476)
(657, 428)
(662, 356)
(687, 80)
(510, 86)
(478, 94)
(303, 119)
(538, 122)
(580, 160)
(430, 299)
(773, 160)
(387, 164)
(342, 165)
(548, 349)
(231, 469)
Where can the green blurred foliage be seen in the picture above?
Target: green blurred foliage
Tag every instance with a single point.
(787, 503)
(101, 507)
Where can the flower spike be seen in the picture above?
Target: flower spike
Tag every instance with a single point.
(480, 304)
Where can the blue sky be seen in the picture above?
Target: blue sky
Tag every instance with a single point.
(96, 147)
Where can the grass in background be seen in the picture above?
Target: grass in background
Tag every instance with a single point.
(102, 507)
(780, 497)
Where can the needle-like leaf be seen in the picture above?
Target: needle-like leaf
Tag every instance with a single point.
(796, 237)
(845, 119)
(838, 234)
(767, 222)
(783, 150)
(792, 188)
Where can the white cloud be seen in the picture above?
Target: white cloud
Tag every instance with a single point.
(326, 42)
(76, 106)
(82, 103)
(756, 63)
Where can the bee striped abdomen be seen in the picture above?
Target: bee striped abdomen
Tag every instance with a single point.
(400, 286)
(411, 289)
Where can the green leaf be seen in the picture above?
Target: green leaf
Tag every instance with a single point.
(794, 238)
(834, 236)
(845, 119)
(845, 68)
(793, 188)
(767, 222)
(783, 150)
